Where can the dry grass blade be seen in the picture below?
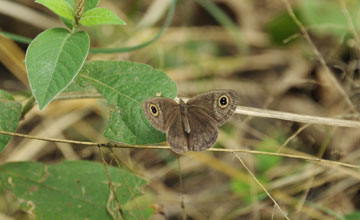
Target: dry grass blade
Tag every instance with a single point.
(12, 57)
(262, 186)
(292, 137)
(297, 117)
(25, 14)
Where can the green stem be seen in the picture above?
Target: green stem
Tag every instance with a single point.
(224, 20)
(27, 106)
(16, 37)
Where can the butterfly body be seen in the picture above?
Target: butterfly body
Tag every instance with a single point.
(191, 125)
(184, 116)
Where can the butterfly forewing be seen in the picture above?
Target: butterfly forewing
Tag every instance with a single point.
(210, 104)
(160, 112)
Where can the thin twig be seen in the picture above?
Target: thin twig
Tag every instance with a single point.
(168, 148)
(286, 155)
(49, 139)
(261, 185)
(292, 137)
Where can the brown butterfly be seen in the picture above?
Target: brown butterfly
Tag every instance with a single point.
(191, 125)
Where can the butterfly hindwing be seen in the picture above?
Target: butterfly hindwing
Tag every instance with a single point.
(177, 137)
(203, 132)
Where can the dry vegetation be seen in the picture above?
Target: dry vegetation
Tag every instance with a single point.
(257, 49)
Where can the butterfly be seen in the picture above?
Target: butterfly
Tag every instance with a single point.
(191, 125)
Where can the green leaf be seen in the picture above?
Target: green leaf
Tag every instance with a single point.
(353, 216)
(282, 27)
(240, 187)
(244, 190)
(6, 95)
(10, 113)
(89, 4)
(100, 16)
(75, 88)
(72, 189)
(266, 162)
(60, 7)
(326, 16)
(126, 85)
(53, 59)
(69, 23)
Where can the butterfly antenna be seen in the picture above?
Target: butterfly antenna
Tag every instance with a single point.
(181, 190)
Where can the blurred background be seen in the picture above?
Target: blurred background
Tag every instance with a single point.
(252, 46)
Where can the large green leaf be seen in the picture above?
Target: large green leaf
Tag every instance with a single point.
(126, 85)
(60, 7)
(53, 59)
(100, 16)
(10, 113)
(72, 189)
